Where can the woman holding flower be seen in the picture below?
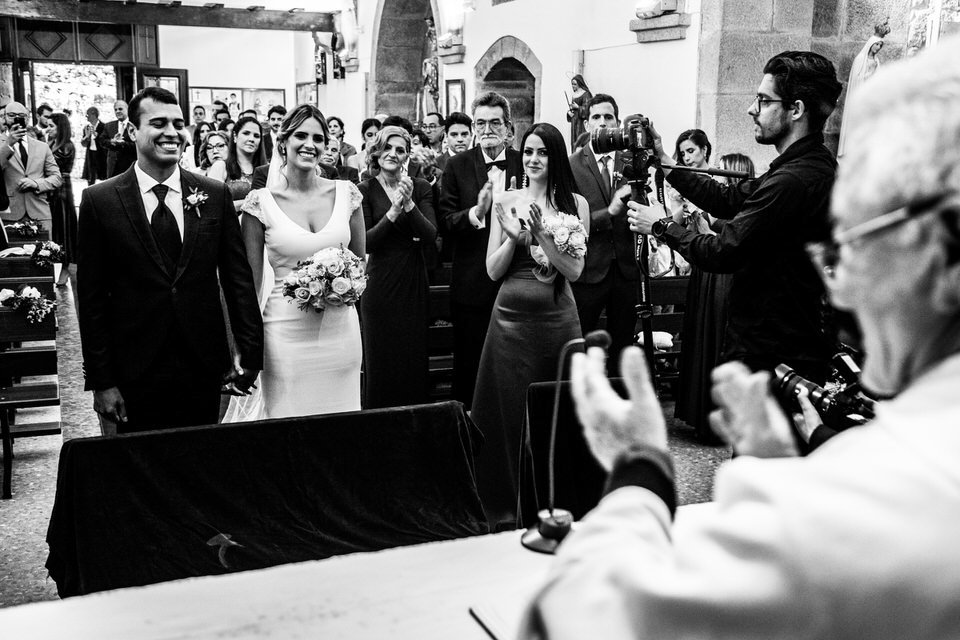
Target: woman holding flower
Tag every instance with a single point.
(537, 243)
(398, 214)
(304, 224)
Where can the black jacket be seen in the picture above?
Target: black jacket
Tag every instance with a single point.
(776, 296)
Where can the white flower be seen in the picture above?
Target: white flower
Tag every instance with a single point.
(314, 287)
(28, 249)
(334, 267)
(291, 279)
(578, 240)
(312, 271)
(571, 222)
(561, 235)
(340, 285)
(44, 253)
(194, 200)
(358, 284)
(30, 292)
(6, 294)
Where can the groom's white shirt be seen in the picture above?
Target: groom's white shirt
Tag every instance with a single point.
(174, 197)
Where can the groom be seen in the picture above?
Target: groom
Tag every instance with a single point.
(152, 242)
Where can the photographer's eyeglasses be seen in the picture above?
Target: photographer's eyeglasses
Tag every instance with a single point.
(826, 255)
(759, 100)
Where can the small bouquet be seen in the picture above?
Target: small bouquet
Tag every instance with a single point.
(25, 228)
(331, 277)
(46, 253)
(28, 301)
(568, 234)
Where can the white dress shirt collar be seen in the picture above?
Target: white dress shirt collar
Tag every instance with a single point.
(146, 183)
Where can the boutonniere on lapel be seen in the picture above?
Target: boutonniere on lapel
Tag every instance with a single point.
(193, 201)
(617, 177)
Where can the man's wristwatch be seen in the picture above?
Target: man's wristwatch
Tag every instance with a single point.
(659, 228)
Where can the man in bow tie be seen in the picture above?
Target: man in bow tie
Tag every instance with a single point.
(469, 183)
(151, 243)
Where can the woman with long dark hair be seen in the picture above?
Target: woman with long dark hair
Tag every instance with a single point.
(578, 111)
(535, 312)
(400, 221)
(63, 213)
(199, 133)
(246, 154)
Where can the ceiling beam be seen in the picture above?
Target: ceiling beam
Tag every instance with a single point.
(169, 13)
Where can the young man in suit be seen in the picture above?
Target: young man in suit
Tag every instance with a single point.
(609, 278)
(468, 186)
(274, 119)
(118, 139)
(151, 244)
(29, 170)
(95, 166)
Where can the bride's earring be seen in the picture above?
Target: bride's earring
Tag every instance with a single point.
(525, 181)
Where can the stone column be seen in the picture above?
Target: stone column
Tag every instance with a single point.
(737, 38)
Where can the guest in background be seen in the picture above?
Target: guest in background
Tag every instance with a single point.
(274, 119)
(399, 218)
(29, 170)
(43, 131)
(337, 130)
(458, 136)
(534, 314)
(213, 155)
(220, 116)
(244, 155)
(368, 129)
(203, 128)
(63, 213)
(331, 155)
(119, 141)
(199, 115)
(419, 139)
(434, 126)
(95, 164)
(577, 113)
(226, 125)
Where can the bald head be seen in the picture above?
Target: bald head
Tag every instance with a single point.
(120, 109)
(15, 109)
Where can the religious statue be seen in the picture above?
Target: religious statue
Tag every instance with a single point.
(864, 65)
(430, 74)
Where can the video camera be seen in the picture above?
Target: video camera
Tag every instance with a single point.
(633, 136)
(841, 406)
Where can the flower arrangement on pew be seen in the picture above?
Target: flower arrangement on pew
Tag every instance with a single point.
(25, 228)
(46, 253)
(29, 301)
(331, 277)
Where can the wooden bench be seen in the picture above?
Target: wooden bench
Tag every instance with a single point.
(14, 240)
(22, 357)
(671, 293)
(24, 267)
(440, 335)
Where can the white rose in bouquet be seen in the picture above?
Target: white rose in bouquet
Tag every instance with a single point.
(30, 292)
(571, 222)
(359, 285)
(291, 279)
(561, 235)
(6, 294)
(302, 293)
(340, 285)
(314, 287)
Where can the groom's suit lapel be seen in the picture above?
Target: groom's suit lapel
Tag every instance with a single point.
(191, 222)
(128, 191)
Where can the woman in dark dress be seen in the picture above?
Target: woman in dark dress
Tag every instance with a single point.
(63, 213)
(399, 217)
(534, 313)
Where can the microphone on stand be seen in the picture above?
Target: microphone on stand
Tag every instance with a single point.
(554, 524)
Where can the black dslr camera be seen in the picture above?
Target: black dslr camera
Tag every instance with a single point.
(841, 406)
(633, 136)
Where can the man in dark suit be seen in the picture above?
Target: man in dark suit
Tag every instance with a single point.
(151, 243)
(94, 136)
(469, 183)
(609, 277)
(274, 119)
(118, 139)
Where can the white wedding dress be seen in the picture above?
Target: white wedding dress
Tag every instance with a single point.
(311, 360)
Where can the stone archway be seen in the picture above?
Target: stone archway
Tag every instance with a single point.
(510, 68)
(396, 70)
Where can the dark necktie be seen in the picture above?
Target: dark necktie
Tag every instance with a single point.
(605, 173)
(23, 154)
(499, 164)
(165, 229)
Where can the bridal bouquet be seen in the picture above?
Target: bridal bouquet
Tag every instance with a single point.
(331, 277)
(568, 234)
(29, 301)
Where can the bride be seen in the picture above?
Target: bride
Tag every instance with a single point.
(311, 360)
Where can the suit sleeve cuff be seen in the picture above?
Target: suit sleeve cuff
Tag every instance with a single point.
(646, 467)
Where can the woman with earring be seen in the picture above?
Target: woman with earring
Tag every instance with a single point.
(578, 112)
(245, 154)
(535, 312)
(311, 360)
(399, 218)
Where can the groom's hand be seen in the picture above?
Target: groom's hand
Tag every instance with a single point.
(108, 403)
(239, 381)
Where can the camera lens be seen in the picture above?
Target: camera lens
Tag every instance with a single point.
(609, 140)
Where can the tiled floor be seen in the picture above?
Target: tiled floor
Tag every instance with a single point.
(23, 520)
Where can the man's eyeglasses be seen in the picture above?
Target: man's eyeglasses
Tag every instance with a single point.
(826, 255)
(759, 100)
(429, 127)
(495, 125)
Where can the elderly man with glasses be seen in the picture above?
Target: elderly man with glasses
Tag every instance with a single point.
(857, 540)
(776, 314)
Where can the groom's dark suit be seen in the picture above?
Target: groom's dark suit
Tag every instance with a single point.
(472, 292)
(609, 277)
(159, 335)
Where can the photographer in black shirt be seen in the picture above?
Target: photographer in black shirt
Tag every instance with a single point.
(776, 297)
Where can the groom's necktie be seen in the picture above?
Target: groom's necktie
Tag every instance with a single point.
(165, 229)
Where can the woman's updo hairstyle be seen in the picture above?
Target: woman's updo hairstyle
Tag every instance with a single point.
(380, 142)
(294, 119)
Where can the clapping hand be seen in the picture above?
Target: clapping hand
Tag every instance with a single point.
(748, 418)
(510, 223)
(611, 424)
(485, 199)
(536, 223)
(405, 188)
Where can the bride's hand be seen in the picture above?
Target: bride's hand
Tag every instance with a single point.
(509, 222)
